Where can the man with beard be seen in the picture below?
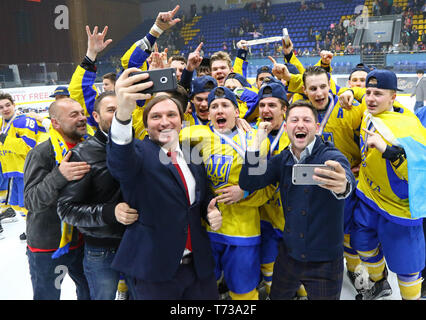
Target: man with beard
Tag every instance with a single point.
(94, 205)
(46, 171)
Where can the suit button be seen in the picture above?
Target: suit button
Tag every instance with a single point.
(306, 190)
(287, 230)
(185, 230)
(302, 235)
(303, 212)
(303, 256)
(289, 209)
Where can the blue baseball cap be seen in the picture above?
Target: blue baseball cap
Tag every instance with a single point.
(60, 91)
(240, 78)
(360, 67)
(227, 94)
(382, 79)
(263, 69)
(198, 85)
(277, 91)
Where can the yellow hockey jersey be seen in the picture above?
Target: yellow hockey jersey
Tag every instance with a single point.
(22, 135)
(223, 157)
(389, 188)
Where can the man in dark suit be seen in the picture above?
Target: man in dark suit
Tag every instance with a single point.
(166, 251)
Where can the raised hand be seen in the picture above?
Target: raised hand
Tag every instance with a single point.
(164, 21)
(280, 70)
(194, 59)
(128, 91)
(333, 180)
(96, 42)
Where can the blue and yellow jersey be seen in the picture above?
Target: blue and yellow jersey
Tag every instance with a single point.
(272, 212)
(191, 119)
(135, 57)
(22, 135)
(223, 157)
(82, 89)
(394, 189)
(247, 105)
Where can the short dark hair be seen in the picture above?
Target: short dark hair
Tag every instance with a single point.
(181, 95)
(110, 76)
(98, 100)
(302, 103)
(314, 70)
(157, 100)
(420, 71)
(178, 58)
(8, 96)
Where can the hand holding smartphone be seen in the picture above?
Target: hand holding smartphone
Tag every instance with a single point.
(163, 79)
(302, 173)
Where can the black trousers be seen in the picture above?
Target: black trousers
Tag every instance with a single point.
(184, 286)
(322, 280)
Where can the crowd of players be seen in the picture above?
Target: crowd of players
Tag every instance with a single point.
(380, 226)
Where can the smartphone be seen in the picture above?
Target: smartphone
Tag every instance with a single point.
(286, 37)
(164, 80)
(302, 173)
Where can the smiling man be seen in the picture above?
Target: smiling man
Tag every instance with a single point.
(200, 89)
(387, 217)
(221, 66)
(310, 211)
(222, 147)
(166, 251)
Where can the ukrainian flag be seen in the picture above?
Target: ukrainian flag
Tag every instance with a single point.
(405, 130)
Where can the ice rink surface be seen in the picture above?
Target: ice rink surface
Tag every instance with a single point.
(15, 281)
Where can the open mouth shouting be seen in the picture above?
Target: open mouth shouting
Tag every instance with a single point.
(300, 136)
(221, 122)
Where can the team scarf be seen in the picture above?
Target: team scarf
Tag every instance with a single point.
(405, 130)
(60, 149)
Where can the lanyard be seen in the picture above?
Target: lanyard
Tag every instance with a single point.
(240, 149)
(277, 138)
(4, 128)
(327, 114)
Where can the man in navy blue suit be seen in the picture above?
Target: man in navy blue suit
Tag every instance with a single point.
(166, 252)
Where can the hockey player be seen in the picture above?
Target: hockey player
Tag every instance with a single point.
(19, 134)
(387, 222)
(236, 245)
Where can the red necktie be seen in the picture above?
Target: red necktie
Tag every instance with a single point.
(172, 155)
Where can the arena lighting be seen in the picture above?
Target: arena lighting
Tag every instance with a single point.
(34, 0)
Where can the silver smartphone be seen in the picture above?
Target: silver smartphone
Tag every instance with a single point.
(302, 173)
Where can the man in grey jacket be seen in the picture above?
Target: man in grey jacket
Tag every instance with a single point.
(43, 180)
(420, 91)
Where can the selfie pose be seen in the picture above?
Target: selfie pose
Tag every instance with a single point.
(311, 250)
